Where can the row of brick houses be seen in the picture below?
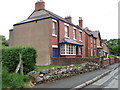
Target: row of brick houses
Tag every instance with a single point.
(54, 36)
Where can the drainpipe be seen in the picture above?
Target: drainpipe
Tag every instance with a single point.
(58, 38)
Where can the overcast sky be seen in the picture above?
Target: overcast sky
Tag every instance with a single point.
(99, 15)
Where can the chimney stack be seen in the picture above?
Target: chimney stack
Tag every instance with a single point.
(80, 22)
(68, 18)
(39, 5)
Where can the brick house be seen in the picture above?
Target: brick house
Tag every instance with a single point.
(54, 36)
(50, 34)
(105, 49)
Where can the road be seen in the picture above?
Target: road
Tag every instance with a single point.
(74, 81)
(109, 81)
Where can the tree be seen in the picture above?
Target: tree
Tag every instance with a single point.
(114, 46)
(3, 41)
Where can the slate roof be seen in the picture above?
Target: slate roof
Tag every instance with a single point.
(69, 41)
(42, 14)
(95, 33)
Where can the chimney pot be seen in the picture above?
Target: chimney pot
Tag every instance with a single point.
(80, 18)
(68, 18)
(80, 22)
(39, 5)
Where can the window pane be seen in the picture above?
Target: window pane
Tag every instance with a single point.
(66, 31)
(80, 35)
(80, 51)
(54, 28)
(62, 49)
(70, 49)
(74, 33)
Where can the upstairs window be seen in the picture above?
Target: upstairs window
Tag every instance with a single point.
(91, 39)
(66, 31)
(54, 28)
(80, 36)
(74, 33)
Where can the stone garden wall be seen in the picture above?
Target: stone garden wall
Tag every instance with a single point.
(62, 72)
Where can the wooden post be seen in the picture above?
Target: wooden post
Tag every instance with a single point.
(21, 69)
(20, 65)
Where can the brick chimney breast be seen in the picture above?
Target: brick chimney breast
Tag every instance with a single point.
(80, 22)
(39, 5)
(68, 18)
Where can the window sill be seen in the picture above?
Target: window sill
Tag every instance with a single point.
(68, 55)
(80, 40)
(66, 37)
(75, 39)
(54, 35)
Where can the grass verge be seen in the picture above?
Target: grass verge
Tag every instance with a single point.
(43, 67)
(13, 80)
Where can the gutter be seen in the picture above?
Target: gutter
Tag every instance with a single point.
(32, 20)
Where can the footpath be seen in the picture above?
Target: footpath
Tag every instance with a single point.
(78, 81)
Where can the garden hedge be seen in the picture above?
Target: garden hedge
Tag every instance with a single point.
(10, 58)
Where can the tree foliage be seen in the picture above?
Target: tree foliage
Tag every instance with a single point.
(114, 46)
(3, 41)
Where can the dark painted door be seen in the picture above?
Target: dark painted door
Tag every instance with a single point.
(54, 52)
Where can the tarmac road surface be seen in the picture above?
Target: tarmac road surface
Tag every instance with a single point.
(74, 81)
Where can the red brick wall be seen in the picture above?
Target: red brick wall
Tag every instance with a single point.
(53, 39)
(106, 62)
(78, 60)
(62, 34)
(68, 61)
(62, 30)
(98, 41)
(86, 40)
(83, 42)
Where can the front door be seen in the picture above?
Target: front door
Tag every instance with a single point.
(54, 52)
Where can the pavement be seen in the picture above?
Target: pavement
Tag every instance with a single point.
(109, 81)
(78, 81)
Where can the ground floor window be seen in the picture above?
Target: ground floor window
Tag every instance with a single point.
(80, 50)
(67, 49)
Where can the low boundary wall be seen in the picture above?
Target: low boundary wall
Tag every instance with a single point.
(78, 60)
(68, 61)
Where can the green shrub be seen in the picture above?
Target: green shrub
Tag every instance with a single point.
(93, 57)
(112, 56)
(13, 80)
(10, 58)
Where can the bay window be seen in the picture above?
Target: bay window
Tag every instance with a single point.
(67, 49)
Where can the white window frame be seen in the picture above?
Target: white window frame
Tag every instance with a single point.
(80, 52)
(54, 28)
(66, 31)
(66, 24)
(80, 36)
(67, 51)
(63, 49)
(74, 34)
(54, 46)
